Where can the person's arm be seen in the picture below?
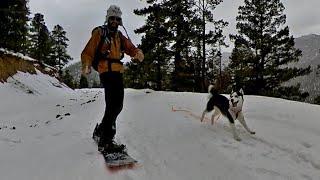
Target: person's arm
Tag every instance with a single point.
(131, 50)
(89, 51)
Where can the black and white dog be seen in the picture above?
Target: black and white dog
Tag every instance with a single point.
(232, 109)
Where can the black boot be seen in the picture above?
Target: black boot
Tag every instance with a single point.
(107, 146)
(113, 147)
(97, 138)
(96, 135)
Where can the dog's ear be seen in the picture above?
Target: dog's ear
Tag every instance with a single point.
(241, 91)
(231, 93)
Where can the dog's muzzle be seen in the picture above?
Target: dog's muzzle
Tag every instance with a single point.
(234, 104)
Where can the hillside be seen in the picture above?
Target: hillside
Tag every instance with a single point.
(310, 47)
(75, 72)
(11, 63)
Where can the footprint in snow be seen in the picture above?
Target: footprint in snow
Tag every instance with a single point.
(306, 144)
(59, 117)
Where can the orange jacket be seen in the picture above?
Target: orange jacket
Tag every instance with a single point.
(114, 48)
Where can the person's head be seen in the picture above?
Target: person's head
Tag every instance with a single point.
(113, 17)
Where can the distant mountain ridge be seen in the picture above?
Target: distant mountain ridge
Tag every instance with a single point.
(308, 44)
(75, 72)
(310, 47)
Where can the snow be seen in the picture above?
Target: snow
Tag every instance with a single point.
(20, 55)
(40, 140)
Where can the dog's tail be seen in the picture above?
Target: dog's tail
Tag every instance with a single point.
(211, 90)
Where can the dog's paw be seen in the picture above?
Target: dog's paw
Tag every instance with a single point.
(237, 138)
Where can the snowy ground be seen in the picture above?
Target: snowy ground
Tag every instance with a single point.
(46, 134)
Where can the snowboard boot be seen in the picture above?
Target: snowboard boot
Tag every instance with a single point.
(107, 146)
(95, 135)
(101, 147)
(113, 147)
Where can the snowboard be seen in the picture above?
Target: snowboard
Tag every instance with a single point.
(116, 160)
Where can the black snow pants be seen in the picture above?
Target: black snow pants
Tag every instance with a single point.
(114, 93)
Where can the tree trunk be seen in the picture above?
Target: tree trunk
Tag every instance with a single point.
(203, 78)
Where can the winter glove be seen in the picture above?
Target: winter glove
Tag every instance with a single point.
(139, 56)
(86, 70)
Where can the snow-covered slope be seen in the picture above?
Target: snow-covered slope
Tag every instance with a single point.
(47, 135)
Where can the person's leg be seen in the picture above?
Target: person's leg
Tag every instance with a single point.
(114, 92)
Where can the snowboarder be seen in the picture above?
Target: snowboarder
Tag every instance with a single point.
(103, 52)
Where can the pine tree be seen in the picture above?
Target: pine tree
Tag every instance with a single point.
(68, 79)
(83, 82)
(14, 27)
(95, 84)
(135, 75)
(59, 56)
(40, 39)
(317, 100)
(203, 17)
(241, 65)
(181, 28)
(154, 45)
(263, 48)
(167, 28)
(176, 30)
(214, 66)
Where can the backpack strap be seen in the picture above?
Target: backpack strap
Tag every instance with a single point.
(98, 53)
(106, 38)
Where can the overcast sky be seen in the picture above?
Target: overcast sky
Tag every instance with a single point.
(79, 17)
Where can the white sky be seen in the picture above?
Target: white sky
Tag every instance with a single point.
(79, 17)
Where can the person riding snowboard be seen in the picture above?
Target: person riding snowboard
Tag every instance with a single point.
(103, 52)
